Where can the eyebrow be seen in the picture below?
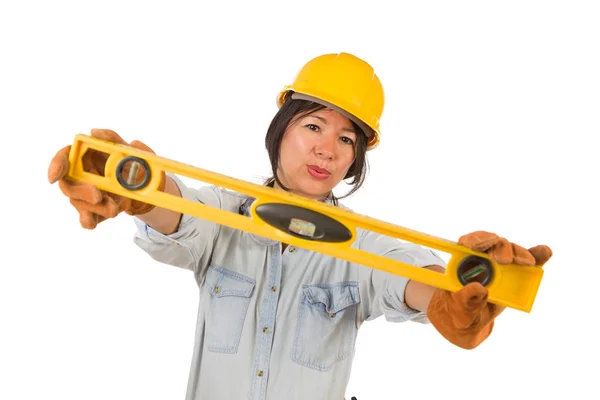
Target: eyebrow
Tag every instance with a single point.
(325, 122)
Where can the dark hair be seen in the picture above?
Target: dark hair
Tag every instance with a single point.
(293, 109)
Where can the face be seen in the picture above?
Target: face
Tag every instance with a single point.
(316, 152)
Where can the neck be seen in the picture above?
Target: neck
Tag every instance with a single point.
(322, 198)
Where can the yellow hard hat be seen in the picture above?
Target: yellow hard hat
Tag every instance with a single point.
(345, 83)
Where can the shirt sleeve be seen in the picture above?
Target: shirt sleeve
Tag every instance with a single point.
(382, 293)
(191, 245)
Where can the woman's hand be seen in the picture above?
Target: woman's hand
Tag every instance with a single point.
(95, 205)
(465, 318)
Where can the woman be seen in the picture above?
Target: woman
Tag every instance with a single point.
(276, 321)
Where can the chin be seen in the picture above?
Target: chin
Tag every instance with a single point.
(315, 190)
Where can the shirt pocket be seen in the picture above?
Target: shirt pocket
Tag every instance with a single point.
(229, 297)
(326, 325)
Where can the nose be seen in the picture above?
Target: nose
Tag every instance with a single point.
(325, 148)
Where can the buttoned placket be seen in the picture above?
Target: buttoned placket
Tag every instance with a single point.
(264, 333)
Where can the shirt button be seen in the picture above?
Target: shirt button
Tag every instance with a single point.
(217, 289)
(292, 249)
(260, 373)
(265, 330)
(273, 288)
(332, 315)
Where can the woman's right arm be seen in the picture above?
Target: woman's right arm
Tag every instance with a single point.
(161, 219)
(176, 239)
(166, 235)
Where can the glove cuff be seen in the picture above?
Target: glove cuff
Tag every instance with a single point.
(456, 324)
(139, 208)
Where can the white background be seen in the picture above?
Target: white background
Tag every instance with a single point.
(491, 122)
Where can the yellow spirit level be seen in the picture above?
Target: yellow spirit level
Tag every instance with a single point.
(303, 222)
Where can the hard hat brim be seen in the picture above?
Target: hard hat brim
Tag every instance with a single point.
(367, 130)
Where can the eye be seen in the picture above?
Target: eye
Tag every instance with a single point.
(312, 127)
(347, 140)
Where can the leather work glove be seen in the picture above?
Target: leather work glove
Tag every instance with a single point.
(464, 317)
(95, 205)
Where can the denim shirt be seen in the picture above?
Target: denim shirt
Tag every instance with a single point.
(276, 325)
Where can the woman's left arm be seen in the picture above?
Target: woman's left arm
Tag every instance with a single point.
(417, 295)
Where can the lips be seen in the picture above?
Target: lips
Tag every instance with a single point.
(317, 172)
